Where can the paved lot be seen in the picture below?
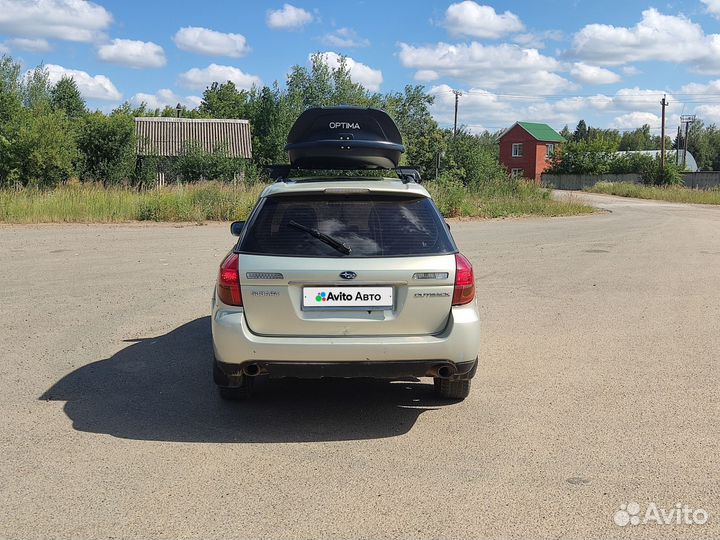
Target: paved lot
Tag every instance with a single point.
(598, 386)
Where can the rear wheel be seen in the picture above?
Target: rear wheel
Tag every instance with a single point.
(449, 389)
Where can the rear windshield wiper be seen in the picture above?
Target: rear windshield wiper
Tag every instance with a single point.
(329, 240)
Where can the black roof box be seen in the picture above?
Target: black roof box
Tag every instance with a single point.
(344, 138)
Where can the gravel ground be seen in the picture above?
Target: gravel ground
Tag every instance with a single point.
(598, 386)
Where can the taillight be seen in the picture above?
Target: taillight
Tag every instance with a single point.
(229, 281)
(464, 290)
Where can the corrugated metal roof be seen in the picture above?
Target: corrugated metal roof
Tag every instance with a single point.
(159, 136)
(542, 132)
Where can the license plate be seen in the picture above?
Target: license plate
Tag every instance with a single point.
(347, 298)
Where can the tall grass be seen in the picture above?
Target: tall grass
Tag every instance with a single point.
(215, 201)
(668, 193)
(95, 204)
(507, 198)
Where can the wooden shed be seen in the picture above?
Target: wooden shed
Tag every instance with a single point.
(166, 138)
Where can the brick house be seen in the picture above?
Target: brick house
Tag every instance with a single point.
(526, 149)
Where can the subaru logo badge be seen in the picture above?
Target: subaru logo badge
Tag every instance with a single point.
(348, 275)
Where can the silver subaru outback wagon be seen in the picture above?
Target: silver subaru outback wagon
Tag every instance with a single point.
(345, 276)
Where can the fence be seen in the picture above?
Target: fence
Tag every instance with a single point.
(697, 180)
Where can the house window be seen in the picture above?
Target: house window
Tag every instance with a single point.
(517, 173)
(517, 149)
(549, 151)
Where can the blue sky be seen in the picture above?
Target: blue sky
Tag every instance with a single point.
(555, 61)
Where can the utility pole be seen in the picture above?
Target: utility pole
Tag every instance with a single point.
(678, 142)
(457, 93)
(662, 138)
(686, 119)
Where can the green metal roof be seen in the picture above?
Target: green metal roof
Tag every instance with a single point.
(542, 132)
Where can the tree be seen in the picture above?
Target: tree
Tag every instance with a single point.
(224, 100)
(35, 88)
(638, 139)
(581, 131)
(423, 139)
(704, 144)
(474, 163)
(10, 96)
(43, 150)
(65, 96)
(107, 145)
(270, 126)
(584, 156)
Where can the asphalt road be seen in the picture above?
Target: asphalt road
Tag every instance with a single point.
(598, 386)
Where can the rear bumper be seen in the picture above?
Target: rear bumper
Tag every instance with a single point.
(457, 344)
(378, 370)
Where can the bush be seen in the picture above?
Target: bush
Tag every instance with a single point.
(652, 174)
(40, 149)
(450, 194)
(195, 164)
(107, 146)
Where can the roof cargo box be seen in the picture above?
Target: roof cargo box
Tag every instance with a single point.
(344, 138)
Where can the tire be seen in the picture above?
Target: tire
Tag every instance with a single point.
(449, 389)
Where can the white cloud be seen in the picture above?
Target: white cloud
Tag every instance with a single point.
(537, 40)
(712, 87)
(710, 114)
(472, 19)
(478, 108)
(588, 74)
(425, 75)
(635, 120)
(345, 37)
(90, 86)
(631, 70)
(199, 79)
(635, 99)
(132, 53)
(29, 44)
(205, 41)
(713, 7)
(71, 20)
(288, 17)
(488, 66)
(165, 98)
(360, 73)
(660, 37)
(4, 49)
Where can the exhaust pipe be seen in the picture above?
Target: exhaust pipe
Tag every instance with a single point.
(251, 370)
(446, 371)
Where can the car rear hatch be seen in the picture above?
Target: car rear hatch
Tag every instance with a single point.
(397, 278)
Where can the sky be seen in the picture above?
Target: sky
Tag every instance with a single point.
(608, 62)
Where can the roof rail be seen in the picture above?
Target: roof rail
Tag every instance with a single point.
(280, 173)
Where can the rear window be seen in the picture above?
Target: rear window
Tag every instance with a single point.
(370, 225)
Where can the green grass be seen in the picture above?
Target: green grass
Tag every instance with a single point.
(214, 201)
(668, 193)
(93, 204)
(512, 199)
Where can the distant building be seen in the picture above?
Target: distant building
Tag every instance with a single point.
(527, 148)
(672, 156)
(167, 138)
